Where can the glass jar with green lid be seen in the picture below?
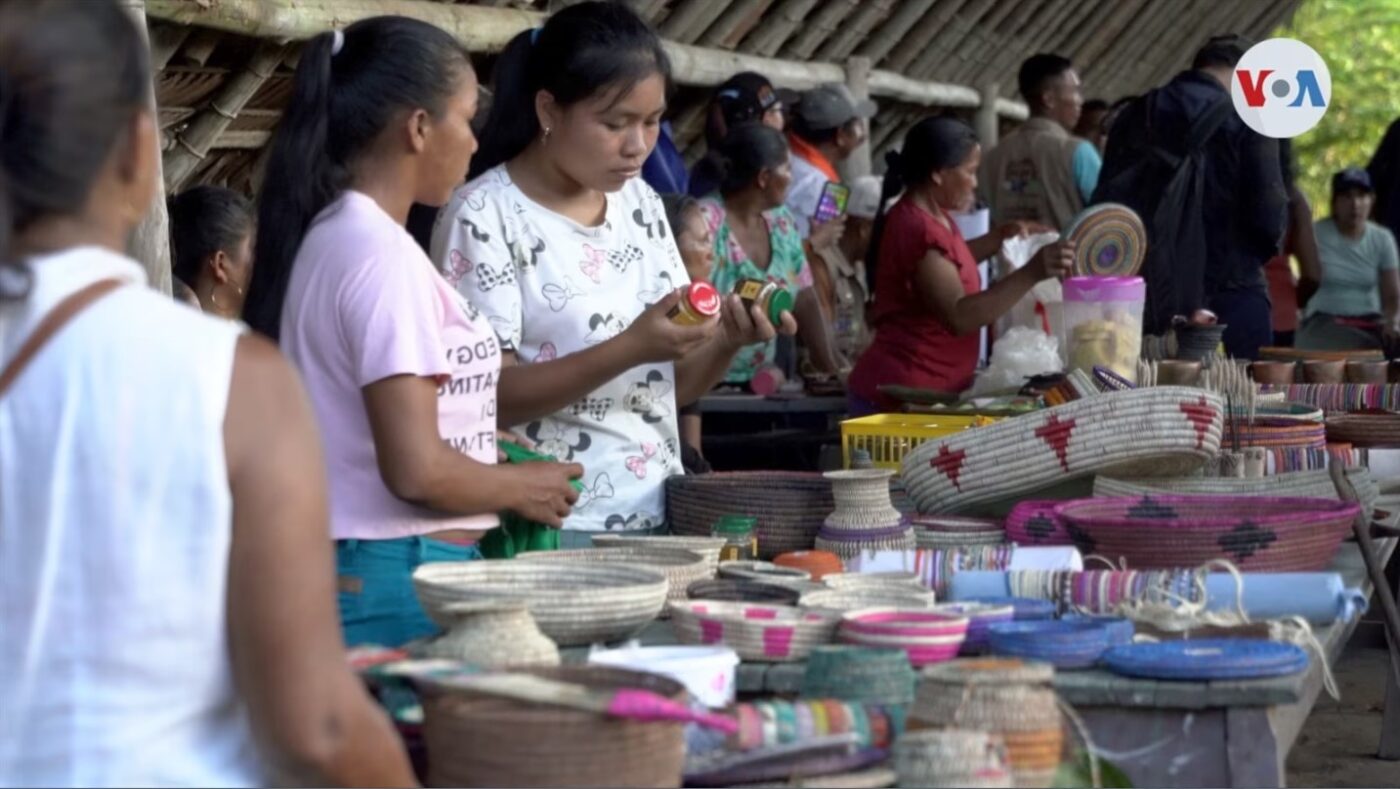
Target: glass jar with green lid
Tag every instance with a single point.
(741, 543)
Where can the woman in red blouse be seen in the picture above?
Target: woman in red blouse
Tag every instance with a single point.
(929, 303)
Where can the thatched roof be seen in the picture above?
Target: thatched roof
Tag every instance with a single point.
(226, 65)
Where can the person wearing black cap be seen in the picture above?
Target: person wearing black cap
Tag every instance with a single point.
(828, 125)
(746, 97)
(1357, 305)
(1040, 172)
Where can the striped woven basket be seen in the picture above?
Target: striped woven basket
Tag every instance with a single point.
(1257, 534)
(790, 506)
(681, 568)
(764, 633)
(1278, 433)
(574, 604)
(844, 600)
(1165, 431)
(1304, 484)
(737, 591)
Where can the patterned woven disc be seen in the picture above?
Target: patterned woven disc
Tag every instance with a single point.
(1207, 659)
(1110, 241)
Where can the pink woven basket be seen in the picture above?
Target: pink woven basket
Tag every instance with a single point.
(927, 637)
(1034, 523)
(1257, 534)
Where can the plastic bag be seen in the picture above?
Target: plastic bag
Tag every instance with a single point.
(1040, 309)
(1020, 354)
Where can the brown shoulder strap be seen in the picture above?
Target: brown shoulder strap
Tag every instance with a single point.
(57, 318)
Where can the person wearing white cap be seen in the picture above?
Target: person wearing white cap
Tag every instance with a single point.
(827, 126)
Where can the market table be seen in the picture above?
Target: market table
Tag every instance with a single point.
(746, 431)
(1170, 734)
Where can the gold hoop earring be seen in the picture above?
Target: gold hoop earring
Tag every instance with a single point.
(214, 297)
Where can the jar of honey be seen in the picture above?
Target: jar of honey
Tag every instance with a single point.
(699, 302)
(741, 543)
(770, 297)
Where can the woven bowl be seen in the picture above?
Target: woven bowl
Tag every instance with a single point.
(735, 591)
(765, 633)
(951, 757)
(844, 600)
(574, 604)
(927, 636)
(763, 572)
(1303, 484)
(894, 581)
(1033, 523)
(478, 739)
(790, 506)
(1161, 431)
(708, 547)
(681, 568)
(1257, 534)
(1064, 644)
(980, 619)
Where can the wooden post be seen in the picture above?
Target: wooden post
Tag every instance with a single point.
(858, 81)
(151, 242)
(986, 121)
(194, 143)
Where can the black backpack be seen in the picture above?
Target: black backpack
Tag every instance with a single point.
(1164, 182)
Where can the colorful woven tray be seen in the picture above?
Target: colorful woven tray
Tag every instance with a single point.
(1207, 659)
(1110, 241)
(1257, 534)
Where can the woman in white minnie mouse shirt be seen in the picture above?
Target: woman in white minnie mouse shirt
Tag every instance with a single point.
(568, 253)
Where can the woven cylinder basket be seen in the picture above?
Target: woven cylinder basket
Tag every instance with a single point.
(790, 506)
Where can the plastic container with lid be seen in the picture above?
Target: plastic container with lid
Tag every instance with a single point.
(1103, 323)
(741, 544)
(770, 297)
(699, 302)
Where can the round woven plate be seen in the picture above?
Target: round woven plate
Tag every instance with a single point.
(1110, 241)
(1207, 659)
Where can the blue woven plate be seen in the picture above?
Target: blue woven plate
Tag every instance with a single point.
(1207, 659)
(1065, 643)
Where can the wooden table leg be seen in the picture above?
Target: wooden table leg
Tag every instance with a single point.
(1390, 721)
(1251, 749)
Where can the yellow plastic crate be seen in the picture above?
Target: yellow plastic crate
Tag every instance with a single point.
(889, 437)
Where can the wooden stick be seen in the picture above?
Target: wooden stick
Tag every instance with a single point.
(1361, 527)
(777, 28)
(201, 46)
(818, 29)
(735, 23)
(150, 244)
(854, 30)
(904, 20)
(194, 143)
(165, 42)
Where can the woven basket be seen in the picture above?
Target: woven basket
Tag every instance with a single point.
(871, 676)
(927, 636)
(764, 573)
(790, 506)
(1305, 484)
(681, 568)
(1033, 522)
(481, 740)
(893, 581)
(1062, 643)
(952, 758)
(981, 617)
(772, 634)
(492, 634)
(735, 591)
(1166, 431)
(1269, 432)
(708, 547)
(1258, 534)
(818, 564)
(1365, 430)
(844, 600)
(1011, 698)
(574, 604)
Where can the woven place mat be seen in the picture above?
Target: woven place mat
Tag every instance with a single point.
(1207, 659)
(1110, 241)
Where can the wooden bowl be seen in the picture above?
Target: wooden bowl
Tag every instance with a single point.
(1324, 372)
(1178, 372)
(1367, 372)
(1277, 373)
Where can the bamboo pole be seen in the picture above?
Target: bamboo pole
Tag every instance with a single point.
(1088, 40)
(165, 42)
(854, 30)
(1121, 58)
(877, 46)
(250, 140)
(769, 37)
(858, 82)
(200, 46)
(973, 48)
(691, 18)
(1023, 39)
(194, 143)
(926, 37)
(150, 244)
(985, 121)
(818, 29)
(735, 23)
(952, 38)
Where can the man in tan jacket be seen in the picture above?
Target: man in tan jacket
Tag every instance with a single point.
(1039, 172)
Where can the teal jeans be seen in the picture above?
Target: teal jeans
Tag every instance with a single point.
(377, 601)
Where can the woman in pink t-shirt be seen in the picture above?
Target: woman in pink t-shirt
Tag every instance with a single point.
(400, 368)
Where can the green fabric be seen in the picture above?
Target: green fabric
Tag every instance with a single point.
(1351, 270)
(517, 534)
(787, 267)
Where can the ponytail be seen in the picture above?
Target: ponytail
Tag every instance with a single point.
(933, 144)
(581, 51)
(349, 87)
(748, 149)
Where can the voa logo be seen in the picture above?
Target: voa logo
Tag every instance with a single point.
(1281, 87)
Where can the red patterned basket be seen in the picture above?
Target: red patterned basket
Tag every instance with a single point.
(1034, 523)
(1257, 534)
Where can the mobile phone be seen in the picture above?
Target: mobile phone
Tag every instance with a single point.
(833, 202)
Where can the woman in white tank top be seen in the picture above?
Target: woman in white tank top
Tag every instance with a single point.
(166, 594)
